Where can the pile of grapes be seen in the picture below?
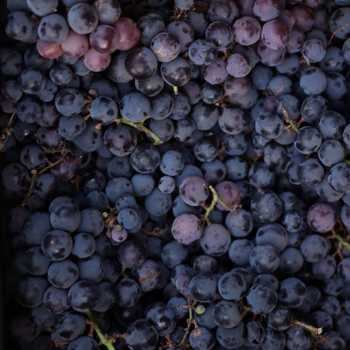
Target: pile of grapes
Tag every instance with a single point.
(175, 175)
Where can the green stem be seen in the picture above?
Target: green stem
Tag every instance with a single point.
(212, 204)
(342, 242)
(313, 330)
(141, 127)
(189, 324)
(105, 341)
(215, 200)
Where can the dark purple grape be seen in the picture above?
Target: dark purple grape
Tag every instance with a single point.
(108, 11)
(165, 46)
(82, 18)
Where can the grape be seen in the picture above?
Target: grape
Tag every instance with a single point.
(184, 4)
(30, 290)
(194, 191)
(262, 299)
(165, 47)
(82, 18)
(141, 335)
(232, 338)
(304, 17)
(176, 72)
(219, 33)
(314, 50)
(152, 275)
(135, 107)
(270, 57)
(150, 25)
(313, 81)
(104, 109)
(163, 319)
(267, 10)
(96, 61)
(292, 292)
(49, 50)
(53, 28)
(201, 338)
(120, 140)
(162, 106)
(63, 274)
(127, 34)
(321, 217)
(314, 248)
(274, 235)
(108, 11)
(42, 8)
(264, 258)
(223, 10)
(215, 240)
(274, 34)
(215, 72)
(183, 32)
(20, 26)
(57, 245)
(151, 86)
(69, 101)
(226, 314)
(337, 22)
(64, 214)
(186, 229)
(84, 342)
(291, 260)
(102, 39)
(201, 52)
(61, 74)
(246, 31)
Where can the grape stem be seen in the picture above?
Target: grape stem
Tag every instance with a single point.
(6, 132)
(313, 330)
(341, 241)
(215, 199)
(141, 127)
(35, 173)
(190, 322)
(108, 342)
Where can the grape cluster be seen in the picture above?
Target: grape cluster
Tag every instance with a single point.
(176, 174)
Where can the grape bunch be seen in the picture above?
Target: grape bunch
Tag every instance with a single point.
(176, 174)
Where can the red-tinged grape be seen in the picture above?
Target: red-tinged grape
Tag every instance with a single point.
(96, 61)
(238, 66)
(266, 10)
(229, 195)
(304, 17)
(49, 50)
(246, 31)
(75, 45)
(186, 229)
(275, 34)
(102, 39)
(127, 35)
